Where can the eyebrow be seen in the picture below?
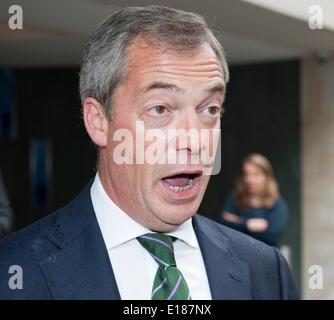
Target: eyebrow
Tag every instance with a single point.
(217, 88)
(169, 86)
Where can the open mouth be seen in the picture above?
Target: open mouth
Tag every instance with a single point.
(183, 183)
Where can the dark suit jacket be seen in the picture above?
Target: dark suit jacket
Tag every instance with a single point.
(63, 256)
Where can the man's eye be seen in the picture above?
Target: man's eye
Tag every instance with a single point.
(213, 110)
(159, 109)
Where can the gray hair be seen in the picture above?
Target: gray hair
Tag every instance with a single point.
(104, 61)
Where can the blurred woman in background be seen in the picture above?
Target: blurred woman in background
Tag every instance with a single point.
(255, 207)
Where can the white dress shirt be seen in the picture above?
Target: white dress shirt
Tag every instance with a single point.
(133, 267)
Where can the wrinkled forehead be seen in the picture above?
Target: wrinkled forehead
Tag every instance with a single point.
(145, 59)
(145, 50)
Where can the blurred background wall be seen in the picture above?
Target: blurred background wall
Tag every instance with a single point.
(318, 173)
(279, 102)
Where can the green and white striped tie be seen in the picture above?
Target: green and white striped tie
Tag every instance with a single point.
(169, 283)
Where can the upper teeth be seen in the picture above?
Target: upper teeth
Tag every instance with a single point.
(180, 189)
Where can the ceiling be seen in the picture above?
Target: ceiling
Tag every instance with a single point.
(54, 31)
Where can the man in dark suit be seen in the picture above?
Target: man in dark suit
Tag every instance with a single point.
(132, 233)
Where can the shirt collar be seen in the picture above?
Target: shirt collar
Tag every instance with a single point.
(117, 227)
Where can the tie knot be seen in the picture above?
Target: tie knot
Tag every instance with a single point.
(160, 246)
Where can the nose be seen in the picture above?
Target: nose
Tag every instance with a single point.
(189, 136)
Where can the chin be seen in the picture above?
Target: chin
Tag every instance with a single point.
(174, 208)
(178, 214)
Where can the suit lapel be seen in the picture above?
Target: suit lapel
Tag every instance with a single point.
(81, 268)
(228, 276)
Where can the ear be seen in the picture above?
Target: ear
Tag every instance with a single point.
(96, 122)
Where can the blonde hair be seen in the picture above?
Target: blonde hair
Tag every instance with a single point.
(270, 193)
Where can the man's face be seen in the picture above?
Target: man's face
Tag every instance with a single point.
(164, 91)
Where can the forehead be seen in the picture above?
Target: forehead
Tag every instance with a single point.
(249, 166)
(146, 62)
